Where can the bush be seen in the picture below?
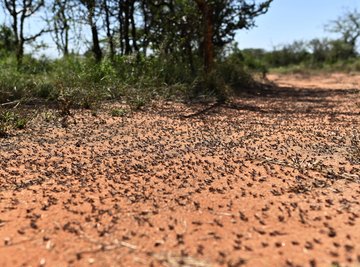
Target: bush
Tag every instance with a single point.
(80, 82)
(34, 66)
(15, 85)
(118, 112)
(11, 120)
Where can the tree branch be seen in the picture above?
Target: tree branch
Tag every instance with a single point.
(33, 37)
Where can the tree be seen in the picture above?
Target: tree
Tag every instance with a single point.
(340, 50)
(20, 11)
(348, 26)
(319, 49)
(171, 24)
(145, 30)
(127, 26)
(60, 23)
(221, 19)
(185, 28)
(107, 6)
(207, 10)
(91, 12)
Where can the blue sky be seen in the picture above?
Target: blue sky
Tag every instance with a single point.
(289, 20)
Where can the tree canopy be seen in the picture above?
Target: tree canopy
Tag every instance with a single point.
(348, 27)
(190, 28)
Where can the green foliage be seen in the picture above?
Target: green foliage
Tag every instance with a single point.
(80, 82)
(320, 53)
(45, 90)
(136, 101)
(33, 66)
(301, 56)
(340, 50)
(252, 62)
(118, 112)
(245, 62)
(7, 41)
(230, 76)
(172, 32)
(348, 27)
(208, 87)
(287, 55)
(235, 74)
(11, 120)
(48, 116)
(13, 84)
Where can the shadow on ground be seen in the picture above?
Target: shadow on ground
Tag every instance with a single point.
(287, 100)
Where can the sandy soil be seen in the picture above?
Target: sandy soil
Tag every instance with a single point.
(272, 179)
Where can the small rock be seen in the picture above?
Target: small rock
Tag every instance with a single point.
(42, 262)
(7, 241)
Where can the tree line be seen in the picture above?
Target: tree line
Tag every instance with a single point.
(187, 28)
(341, 53)
(138, 50)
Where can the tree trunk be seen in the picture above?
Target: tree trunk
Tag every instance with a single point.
(65, 30)
(128, 49)
(133, 26)
(16, 34)
(19, 47)
(121, 27)
(109, 35)
(21, 40)
(208, 42)
(208, 46)
(145, 41)
(94, 32)
(96, 44)
(189, 53)
(19, 54)
(66, 41)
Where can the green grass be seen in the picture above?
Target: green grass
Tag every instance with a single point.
(11, 120)
(118, 112)
(345, 66)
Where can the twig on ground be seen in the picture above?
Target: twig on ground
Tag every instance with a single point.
(17, 102)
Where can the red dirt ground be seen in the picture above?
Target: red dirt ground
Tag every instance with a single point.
(272, 179)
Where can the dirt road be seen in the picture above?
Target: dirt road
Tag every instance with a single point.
(272, 179)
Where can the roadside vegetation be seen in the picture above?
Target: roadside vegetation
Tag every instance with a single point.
(177, 50)
(317, 55)
(136, 50)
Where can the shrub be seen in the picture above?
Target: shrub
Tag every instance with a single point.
(80, 82)
(15, 85)
(118, 112)
(11, 120)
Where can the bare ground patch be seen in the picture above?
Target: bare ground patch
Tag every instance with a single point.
(272, 179)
